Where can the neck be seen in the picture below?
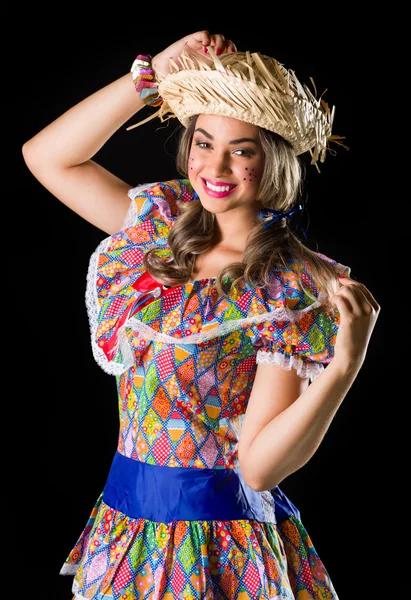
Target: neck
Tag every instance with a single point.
(233, 228)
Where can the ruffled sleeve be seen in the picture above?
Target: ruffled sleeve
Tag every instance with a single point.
(301, 332)
(157, 204)
(117, 283)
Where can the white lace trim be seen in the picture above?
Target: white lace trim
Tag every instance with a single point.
(92, 304)
(75, 589)
(69, 569)
(268, 506)
(280, 314)
(93, 309)
(304, 369)
(112, 368)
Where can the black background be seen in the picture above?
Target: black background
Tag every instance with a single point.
(72, 415)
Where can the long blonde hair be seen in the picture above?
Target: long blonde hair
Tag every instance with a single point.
(280, 189)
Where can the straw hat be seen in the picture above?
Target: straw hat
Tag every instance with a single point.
(250, 87)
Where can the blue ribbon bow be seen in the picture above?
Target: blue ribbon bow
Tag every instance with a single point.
(278, 214)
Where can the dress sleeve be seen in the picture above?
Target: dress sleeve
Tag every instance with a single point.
(112, 296)
(132, 215)
(157, 203)
(302, 332)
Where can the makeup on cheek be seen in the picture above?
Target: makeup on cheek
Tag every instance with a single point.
(252, 173)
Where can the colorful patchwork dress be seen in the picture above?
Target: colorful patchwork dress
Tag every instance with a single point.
(176, 519)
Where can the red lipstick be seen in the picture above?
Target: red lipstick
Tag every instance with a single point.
(214, 194)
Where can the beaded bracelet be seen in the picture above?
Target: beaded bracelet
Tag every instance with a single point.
(144, 80)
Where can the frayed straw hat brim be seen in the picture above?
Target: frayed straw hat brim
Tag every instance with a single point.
(250, 87)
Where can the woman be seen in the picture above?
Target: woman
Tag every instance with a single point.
(215, 318)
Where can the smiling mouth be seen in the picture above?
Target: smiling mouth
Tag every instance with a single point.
(217, 194)
(219, 188)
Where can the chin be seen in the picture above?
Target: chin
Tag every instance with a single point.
(215, 206)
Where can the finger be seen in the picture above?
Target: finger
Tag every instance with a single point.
(198, 40)
(203, 37)
(342, 304)
(365, 290)
(217, 39)
(364, 299)
(360, 304)
(348, 298)
(218, 43)
(231, 46)
(358, 300)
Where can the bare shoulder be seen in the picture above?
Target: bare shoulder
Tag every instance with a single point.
(88, 189)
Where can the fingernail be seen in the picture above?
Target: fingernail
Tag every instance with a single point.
(219, 51)
(205, 49)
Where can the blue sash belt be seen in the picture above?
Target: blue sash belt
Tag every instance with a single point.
(164, 494)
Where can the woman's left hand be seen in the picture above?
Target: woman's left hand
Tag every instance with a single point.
(195, 42)
(358, 315)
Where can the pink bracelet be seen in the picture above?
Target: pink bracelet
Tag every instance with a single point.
(144, 80)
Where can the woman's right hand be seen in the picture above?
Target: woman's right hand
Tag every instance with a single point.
(195, 41)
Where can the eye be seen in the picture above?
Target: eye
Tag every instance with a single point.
(245, 152)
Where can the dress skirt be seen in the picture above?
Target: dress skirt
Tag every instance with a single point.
(160, 532)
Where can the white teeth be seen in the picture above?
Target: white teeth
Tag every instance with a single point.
(217, 188)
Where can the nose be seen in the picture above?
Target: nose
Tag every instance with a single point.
(219, 164)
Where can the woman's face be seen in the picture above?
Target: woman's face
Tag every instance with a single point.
(226, 152)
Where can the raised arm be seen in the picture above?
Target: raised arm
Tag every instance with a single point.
(60, 155)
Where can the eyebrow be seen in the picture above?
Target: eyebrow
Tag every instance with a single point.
(240, 141)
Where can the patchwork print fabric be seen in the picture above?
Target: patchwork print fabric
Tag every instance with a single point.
(185, 359)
